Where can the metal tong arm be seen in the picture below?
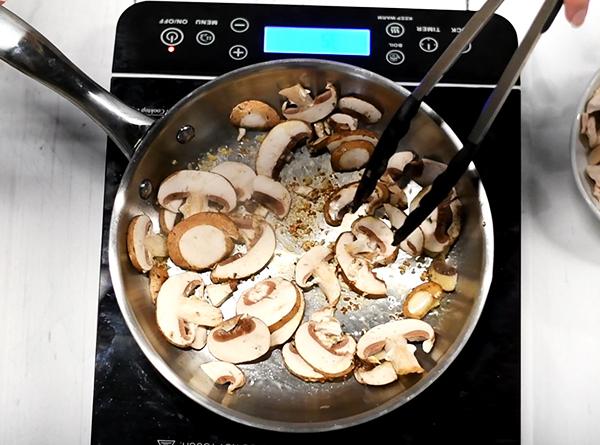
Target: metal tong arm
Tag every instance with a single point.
(442, 185)
(400, 122)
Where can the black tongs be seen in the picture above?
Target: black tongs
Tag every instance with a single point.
(400, 123)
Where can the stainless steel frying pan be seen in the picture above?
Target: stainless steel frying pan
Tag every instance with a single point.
(198, 124)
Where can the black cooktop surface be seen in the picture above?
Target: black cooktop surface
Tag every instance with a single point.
(477, 399)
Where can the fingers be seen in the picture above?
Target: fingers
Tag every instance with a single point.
(576, 10)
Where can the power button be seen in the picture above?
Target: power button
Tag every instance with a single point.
(171, 36)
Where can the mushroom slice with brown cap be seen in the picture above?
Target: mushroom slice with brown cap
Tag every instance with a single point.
(223, 373)
(356, 271)
(360, 108)
(351, 156)
(240, 176)
(139, 228)
(339, 138)
(444, 274)
(425, 175)
(372, 343)
(156, 245)
(338, 203)
(255, 259)
(274, 301)
(323, 345)
(167, 219)
(593, 171)
(285, 332)
(380, 239)
(413, 244)
(421, 300)
(315, 264)
(218, 293)
(380, 375)
(254, 115)
(342, 122)
(200, 338)
(181, 184)
(157, 275)
(272, 194)
(202, 240)
(273, 151)
(297, 366)
(301, 106)
(178, 314)
(239, 339)
(398, 163)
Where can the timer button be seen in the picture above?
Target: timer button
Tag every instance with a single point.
(394, 29)
(238, 52)
(171, 36)
(429, 44)
(395, 57)
(239, 24)
(205, 37)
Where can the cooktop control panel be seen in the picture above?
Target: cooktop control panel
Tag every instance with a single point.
(211, 39)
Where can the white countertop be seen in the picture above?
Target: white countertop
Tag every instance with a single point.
(51, 192)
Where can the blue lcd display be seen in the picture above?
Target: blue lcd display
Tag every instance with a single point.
(328, 41)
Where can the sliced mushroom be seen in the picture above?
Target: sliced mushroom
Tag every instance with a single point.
(342, 122)
(285, 332)
(239, 339)
(421, 300)
(199, 338)
(156, 245)
(178, 313)
(590, 128)
(273, 151)
(323, 345)
(158, 275)
(442, 228)
(594, 156)
(373, 237)
(397, 197)
(443, 274)
(398, 163)
(593, 171)
(254, 115)
(202, 240)
(372, 343)
(273, 195)
(338, 202)
(167, 219)
(255, 259)
(351, 156)
(139, 228)
(360, 108)
(223, 373)
(297, 366)
(413, 245)
(380, 375)
(274, 301)
(193, 204)
(217, 294)
(301, 106)
(402, 356)
(356, 271)
(181, 184)
(239, 175)
(315, 264)
(337, 139)
(593, 104)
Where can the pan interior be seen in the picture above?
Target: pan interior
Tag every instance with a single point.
(273, 398)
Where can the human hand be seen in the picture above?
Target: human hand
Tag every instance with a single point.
(576, 10)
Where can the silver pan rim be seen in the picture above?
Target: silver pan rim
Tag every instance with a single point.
(297, 427)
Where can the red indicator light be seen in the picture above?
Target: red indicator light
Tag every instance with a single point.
(171, 49)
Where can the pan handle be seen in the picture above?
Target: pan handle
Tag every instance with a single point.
(31, 53)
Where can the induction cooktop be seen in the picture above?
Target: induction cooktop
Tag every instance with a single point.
(165, 50)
